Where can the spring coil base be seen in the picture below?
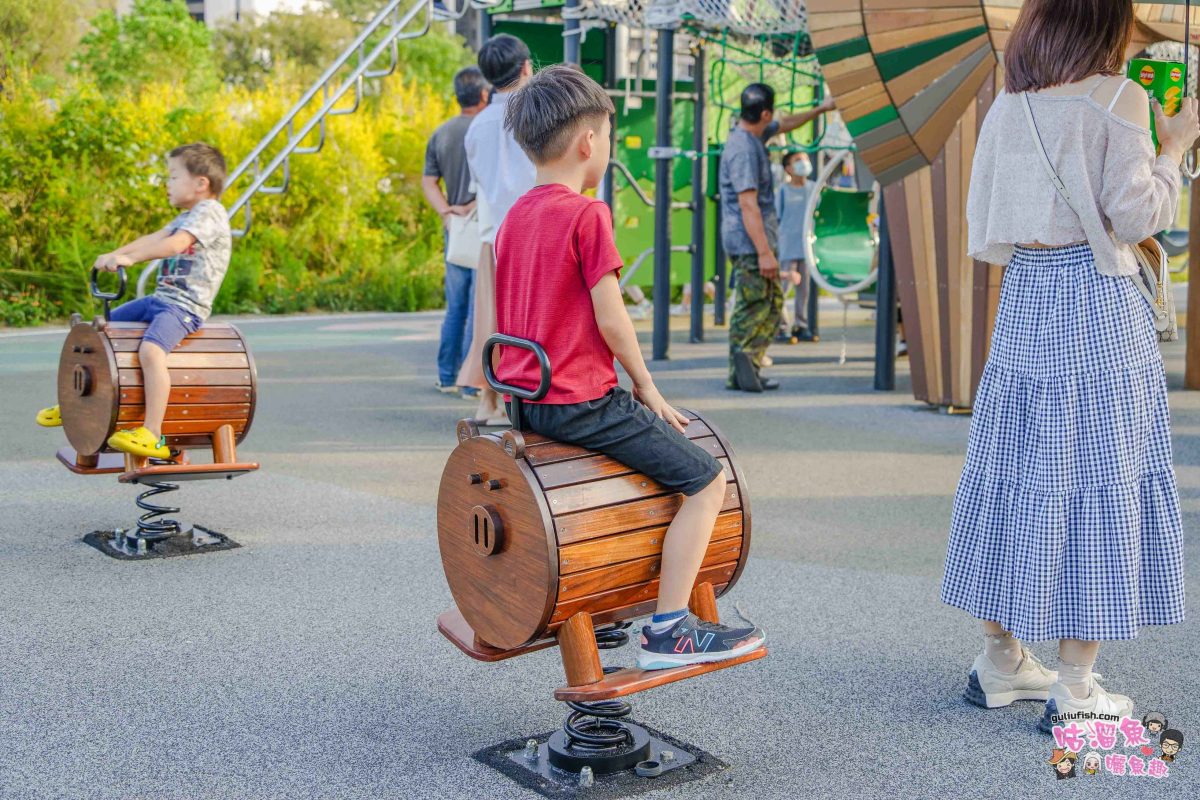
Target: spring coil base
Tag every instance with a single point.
(149, 525)
(593, 734)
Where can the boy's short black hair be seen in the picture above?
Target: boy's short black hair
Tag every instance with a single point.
(547, 112)
(501, 59)
(757, 98)
(790, 156)
(203, 161)
(469, 86)
(1171, 735)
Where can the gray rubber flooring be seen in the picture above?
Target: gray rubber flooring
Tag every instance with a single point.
(307, 664)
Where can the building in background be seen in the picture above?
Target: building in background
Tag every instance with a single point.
(214, 12)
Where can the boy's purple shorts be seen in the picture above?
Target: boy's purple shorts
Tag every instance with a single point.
(168, 322)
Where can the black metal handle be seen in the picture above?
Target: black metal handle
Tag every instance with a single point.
(108, 297)
(497, 339)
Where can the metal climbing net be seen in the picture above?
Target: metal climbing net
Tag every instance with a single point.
(738, 16)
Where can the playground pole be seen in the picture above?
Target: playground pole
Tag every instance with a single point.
(718, 257)
(885, 309)
(571, 33)
(662, 195)
(485, 26)
(699, 204)
(610, 82)
(1191, 373)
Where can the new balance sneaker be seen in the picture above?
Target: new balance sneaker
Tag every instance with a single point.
(694, 641)
(988, 687)
(446, 388)
(1098, 701)
(50, 417)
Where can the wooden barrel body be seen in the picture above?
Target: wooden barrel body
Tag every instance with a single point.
(534, 531)
(100, 384)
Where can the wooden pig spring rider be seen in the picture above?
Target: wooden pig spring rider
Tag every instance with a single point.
(211, 405)
(546, 544)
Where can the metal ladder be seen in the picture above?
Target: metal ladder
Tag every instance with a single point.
(394, 22)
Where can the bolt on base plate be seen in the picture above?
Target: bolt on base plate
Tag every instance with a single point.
(119, 544)
(668, 761)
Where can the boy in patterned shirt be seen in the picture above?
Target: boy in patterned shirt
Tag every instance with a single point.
(194, 249)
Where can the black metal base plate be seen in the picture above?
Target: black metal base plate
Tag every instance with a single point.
(690, 763)
(181, 544)
(616, 759)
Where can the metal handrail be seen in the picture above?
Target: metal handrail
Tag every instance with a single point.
(677, 205)
(362, 70)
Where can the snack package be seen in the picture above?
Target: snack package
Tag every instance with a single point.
(1165, 80)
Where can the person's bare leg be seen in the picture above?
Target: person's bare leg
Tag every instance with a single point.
(684, 545)
(157, 382)
(1076, 659)
(490, 405)
(1001, 647)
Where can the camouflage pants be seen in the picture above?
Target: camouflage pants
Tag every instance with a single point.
(756, 311)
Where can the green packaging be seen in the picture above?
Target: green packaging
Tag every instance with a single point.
(1165, 80)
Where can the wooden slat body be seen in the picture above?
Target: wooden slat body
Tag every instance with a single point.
(598, 542)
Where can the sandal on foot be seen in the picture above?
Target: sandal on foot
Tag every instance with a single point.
(50, 417)
(140, 442)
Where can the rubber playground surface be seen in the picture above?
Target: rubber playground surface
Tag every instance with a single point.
(307, 664)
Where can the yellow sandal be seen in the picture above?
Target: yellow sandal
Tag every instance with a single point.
(50, 417)
(140, 442)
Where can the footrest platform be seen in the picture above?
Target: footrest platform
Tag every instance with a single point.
(633, 680)
(187, 472)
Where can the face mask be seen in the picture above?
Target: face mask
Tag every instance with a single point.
(801, 168)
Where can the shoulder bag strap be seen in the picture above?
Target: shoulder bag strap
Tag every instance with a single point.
(1041, 149)
(1151, 277)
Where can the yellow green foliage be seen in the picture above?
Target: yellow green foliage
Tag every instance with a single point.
(83, 166)
(82, 173)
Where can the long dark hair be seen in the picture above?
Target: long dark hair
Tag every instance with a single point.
(1063, 41)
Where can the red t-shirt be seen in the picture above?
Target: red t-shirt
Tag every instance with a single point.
(552, 248)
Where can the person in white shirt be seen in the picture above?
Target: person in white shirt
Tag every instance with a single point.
(501, 173)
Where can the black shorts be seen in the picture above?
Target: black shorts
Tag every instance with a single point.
(620, 427)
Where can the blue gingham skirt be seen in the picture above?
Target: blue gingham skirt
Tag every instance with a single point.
(1066, 519)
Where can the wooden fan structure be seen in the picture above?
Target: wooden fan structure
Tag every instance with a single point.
(913, 81)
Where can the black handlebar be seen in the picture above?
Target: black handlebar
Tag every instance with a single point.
(107, 297)
(497, 339)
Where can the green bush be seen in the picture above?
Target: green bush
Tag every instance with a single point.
(82, 165)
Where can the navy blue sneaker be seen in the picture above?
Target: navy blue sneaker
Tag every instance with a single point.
(694, 641)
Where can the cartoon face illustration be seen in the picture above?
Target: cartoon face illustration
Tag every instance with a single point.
(1154, 722)
(1063, 761)
(1171, 742)
(1091, 764)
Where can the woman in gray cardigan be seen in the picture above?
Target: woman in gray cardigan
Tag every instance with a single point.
(1066, 520)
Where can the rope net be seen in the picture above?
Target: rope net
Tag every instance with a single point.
(737, 16)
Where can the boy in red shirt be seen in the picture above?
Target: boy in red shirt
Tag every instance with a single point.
(556, 284)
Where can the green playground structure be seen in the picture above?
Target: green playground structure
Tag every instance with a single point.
(842, 247)
(704, 102)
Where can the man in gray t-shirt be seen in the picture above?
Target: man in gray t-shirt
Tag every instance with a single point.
(446, 164)
(750, 232)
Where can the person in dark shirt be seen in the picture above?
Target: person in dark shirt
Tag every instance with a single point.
(446, 164)
(750, 232)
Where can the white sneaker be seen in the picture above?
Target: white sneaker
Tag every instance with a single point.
(988, 687)
(1099, 701)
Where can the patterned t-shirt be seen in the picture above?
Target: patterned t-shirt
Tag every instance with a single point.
(191, 279)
